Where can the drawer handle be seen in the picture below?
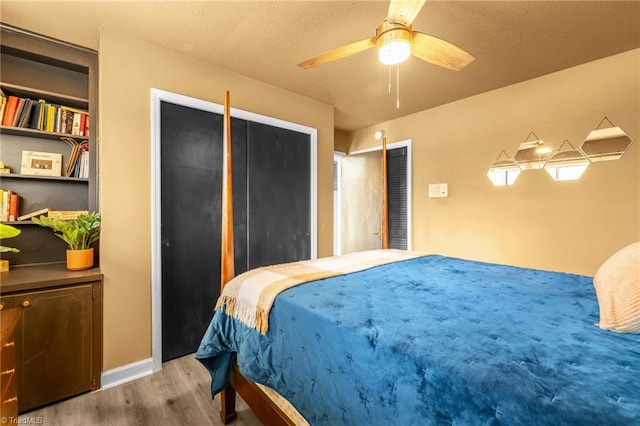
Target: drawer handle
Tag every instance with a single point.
(26, 304)
(13, 370)
(1, 306)
(10, 400)
(9, 344)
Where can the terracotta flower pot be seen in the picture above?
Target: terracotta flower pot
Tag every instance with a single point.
(78, 260)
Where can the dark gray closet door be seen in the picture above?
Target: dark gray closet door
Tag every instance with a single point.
(191, 184)
(279, 195)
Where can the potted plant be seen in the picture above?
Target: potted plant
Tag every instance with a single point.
(7, 231)
(79, 234)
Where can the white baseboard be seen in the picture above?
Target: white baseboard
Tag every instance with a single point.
(126, 373)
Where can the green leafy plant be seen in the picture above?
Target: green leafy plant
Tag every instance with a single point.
(78, 233)
(8, 231)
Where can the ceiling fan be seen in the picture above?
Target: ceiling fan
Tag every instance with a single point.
(396, 41)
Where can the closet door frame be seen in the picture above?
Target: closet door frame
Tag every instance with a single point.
(407, 143)
(158, 96)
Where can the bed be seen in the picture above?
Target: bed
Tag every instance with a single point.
(424, 339)
(441, 339)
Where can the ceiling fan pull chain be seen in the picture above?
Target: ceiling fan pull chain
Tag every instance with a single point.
(389, 79)
(398, 86)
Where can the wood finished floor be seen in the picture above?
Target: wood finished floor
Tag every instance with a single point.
(179, 394)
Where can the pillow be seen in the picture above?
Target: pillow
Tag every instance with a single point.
(617, 284)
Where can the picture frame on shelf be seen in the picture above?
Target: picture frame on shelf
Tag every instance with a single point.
(41, 163)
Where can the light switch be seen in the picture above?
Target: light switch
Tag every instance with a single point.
(438, 190)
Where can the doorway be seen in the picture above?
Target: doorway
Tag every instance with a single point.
(359, 191)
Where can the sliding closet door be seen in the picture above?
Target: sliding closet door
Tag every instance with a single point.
(279, 191)
(191, 183)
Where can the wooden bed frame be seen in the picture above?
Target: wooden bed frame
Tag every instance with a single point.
(261, 405)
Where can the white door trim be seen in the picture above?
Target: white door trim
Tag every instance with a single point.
(337, 205)
(400, 144)
(158, 96)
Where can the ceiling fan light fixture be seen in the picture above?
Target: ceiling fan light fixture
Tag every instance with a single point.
(394, 52)
(394, 46)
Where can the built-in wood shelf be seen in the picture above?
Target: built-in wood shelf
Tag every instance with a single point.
(22, 131)
(53, 97)
(42, 177)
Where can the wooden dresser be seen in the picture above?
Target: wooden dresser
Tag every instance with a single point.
(8, 374)
(59, 334)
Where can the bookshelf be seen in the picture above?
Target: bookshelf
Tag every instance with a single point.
(62, 79)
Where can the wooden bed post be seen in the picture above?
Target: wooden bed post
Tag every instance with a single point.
(226, 267)
(228, 395)
(385, 204)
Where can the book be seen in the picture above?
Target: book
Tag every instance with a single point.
(83, 123)
(13, 206)
(18, 113)
(86, 127)
(50, 118)
(6, 196)
(68, 122)
(25, 114)
(3, 105)
(34, 214)
(85, 165)
(43, 108)
(77, 119)
(58, 120)
(66, 214)
(36, 115)
(10, 110)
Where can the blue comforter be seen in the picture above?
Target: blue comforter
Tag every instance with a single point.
(438, 340)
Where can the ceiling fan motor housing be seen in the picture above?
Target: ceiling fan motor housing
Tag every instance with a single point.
(393, 41)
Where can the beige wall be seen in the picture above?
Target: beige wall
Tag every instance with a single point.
(129, 68)
(563, 226)
(341, 141)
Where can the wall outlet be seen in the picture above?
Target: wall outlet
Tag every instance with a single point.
(438, 190)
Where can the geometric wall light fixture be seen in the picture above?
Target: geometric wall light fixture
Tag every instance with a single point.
(503, 171)
(608, 143)
(532, 154)
(567, 163)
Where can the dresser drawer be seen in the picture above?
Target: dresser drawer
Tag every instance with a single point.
(9, 401)
(6, 377)
(8, 359)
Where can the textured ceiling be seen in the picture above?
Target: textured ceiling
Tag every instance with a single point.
(511, 40)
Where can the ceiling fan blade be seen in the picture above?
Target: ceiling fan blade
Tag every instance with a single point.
(404, 11)
(339, 53)
(439, 52)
